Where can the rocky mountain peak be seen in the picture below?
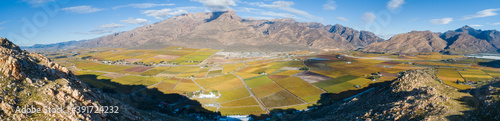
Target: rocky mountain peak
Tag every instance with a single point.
(229, 15)
(466, 29)
(8, 45)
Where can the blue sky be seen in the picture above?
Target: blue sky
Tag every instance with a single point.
(28, 22)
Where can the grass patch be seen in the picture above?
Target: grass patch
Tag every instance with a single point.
(324, 84)
(282, 98)
(257, 81)
(241, 102)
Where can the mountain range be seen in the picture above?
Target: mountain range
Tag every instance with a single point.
(465, 40)
(225, 30)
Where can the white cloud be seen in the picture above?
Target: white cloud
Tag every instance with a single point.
(483, 13)
(395, 4)
(441, 21)
(476, 25)
(342, 19)
(135, 21)
(261, 18)
(368, 17)
(284, 15)
(111, 26)
(160, 14)
(96, 31)
(268, 14)
(217, 5)
(385, 36)
(82, 9)
(497, 23)
(37, 3)
(330, 5)
(143, 5)
(287, 7)
(3, 22)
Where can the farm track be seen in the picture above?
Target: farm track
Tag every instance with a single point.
(253, 95)
(287, 91)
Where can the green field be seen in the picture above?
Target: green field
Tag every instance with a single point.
(233, 94)
(474, 75)
(340, 87)
(266, 90)
(257, 81)
(129, 80)
(299, 87)
(281, 98)
(242, 110)
(187, 85)
(228, 68)
(154, 71)
(335, 81)
(214, 81)
(450, 77)
(241, 102)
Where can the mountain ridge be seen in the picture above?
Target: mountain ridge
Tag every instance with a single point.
(464, 40)
(225, 30)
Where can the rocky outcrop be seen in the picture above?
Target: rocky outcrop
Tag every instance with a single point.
(415, 41)
(30, 79)
(415, 95)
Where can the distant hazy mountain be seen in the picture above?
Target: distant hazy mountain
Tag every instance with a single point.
(226, 30)
(465, 40)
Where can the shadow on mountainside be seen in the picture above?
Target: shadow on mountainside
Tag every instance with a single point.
(484, 103)
(494, 64)
(148, 99)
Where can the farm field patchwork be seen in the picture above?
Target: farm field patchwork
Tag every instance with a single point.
(279, 99)
(474, 75)
(257, 81)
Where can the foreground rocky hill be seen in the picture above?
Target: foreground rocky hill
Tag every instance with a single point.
(30, 79)
(226, 30)
(416, 95)
(465, 40)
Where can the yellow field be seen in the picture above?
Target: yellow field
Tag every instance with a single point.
(189, 73)
(299, 87)
(246, 75)
(241, 110)
(176, 69)
(474, 75)
(213, 81)
(154, 71)
(241, 102)
(233, 94)
(312, 98)
(229, 84)
(289, 72)
(266, 90)
(228, 68)
(187, 85)
(202, 73)
(166, 84)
